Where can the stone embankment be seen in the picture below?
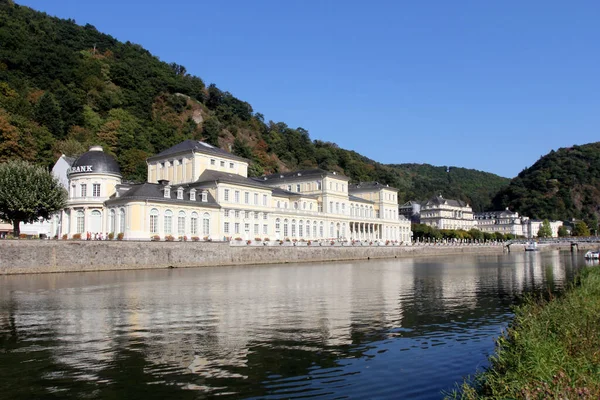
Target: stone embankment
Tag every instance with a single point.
(35, 256)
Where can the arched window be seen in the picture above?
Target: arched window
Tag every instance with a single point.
(285, 228)
(278, 204)
(168, 222)
(321, 230)
(315, 229)
(194, 223)
(293, 228)
(337, 207)
(277, 225)
(80, 215)
(206, 224)
(352, 210)
(112, 221)
(122, 220)
(344, 230)
(95, 222)
(295, 205)
(154, 220)
(310, 206)
(308, 228)
(181, 223)
(331, 228)
(301, 228)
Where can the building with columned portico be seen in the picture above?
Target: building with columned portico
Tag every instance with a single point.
(197, 190)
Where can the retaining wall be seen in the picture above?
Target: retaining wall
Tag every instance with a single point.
(35, 256)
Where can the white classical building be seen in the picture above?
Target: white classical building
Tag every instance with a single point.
(505, 222)
(198, 190)
(532, 227)
(442, 213)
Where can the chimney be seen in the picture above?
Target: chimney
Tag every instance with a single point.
(163, 182)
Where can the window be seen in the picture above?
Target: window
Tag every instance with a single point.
(278, 204)
(330, 206)
(256, 229)
(256, 216)
(310, 206)
(247, 214)
(246, 198)
(80, 220)
(122, 220)
(231, 165)
(226, 195)
(298, 187)
(315, 229)
(289, 188)
(206, 224)
(247, 228)
(285, 228)
(304, 205)
(237, 227)
(226, 213)
(223, 164)
(265, 215)
(194, 223)
(112, 221)
(343, 208)
(193, 195)
(293, 227)
(180, 193)
(226, 227)
(212, 162)
(181, 223)
(237, 213)
(265, 229)
(321, 233)
(168, 222)
(83, 190)
(167, 192)
(237, 196)
(337, 187)
(264, 199)
(277, 225)
(337, 208)
(256, 198)
(331, 230)
(204, 196)
(307, 228)
(154, 220)
(295, 205)
(300, 228)
(96, 190)
(319, 185)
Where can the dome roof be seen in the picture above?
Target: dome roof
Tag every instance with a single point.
(95, 161)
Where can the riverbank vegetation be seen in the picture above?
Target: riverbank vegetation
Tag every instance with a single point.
(550, 351)
(424, 232)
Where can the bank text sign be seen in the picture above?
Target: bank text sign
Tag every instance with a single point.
(81, 168)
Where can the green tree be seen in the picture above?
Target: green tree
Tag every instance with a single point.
(48, 114)
(476, 234)
(581, 229)
(563, 231)
(28, 193)
(545, 230)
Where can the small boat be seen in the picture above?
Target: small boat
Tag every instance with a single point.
(531, 246)
(592, 255)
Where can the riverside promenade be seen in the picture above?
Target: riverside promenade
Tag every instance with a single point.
(48, 256)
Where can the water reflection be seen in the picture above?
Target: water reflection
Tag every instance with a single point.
(390, 329)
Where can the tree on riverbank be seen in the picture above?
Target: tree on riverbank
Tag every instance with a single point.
(28, 193)
(545, 230)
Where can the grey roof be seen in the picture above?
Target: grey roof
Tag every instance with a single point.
(155, 191)
(69, 160)
(496, 214)
(439, 200)
(210, 175)
(196, 146)
(411, 203)
(99, 161)
(369, 186)
(278, 192)
(359, 199)
(300, 175)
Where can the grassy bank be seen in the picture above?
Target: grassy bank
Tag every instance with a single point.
(551, 350)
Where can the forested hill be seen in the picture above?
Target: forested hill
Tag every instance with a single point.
(64, 87)
(563, 184)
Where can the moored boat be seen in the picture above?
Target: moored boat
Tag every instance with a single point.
(531, 246)
(592, 255)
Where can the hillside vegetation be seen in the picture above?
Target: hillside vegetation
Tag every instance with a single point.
(561, 185)
(64, 87)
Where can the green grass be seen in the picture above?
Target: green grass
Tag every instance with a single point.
(550, 351)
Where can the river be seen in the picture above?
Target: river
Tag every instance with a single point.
(385, 329)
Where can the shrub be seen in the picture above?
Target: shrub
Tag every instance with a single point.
(238, 239)
(155, 238)
(65, 236)
(332, 242)
(308, 243)
(195, 239)
(23, 236)
(248, 242)
(169, 238)
(258, 239)
(266, 239)
(206, 238)
(185, 238)
(287, 239)
(77, 236)
(120, 236)
(111, 236)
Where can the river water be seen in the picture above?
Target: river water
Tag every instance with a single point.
(385, 329)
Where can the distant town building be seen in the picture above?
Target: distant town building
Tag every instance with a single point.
(505, 222)
(411, 210)
(442, 213)
(532, 227)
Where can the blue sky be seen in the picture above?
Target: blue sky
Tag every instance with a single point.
(477, 84)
